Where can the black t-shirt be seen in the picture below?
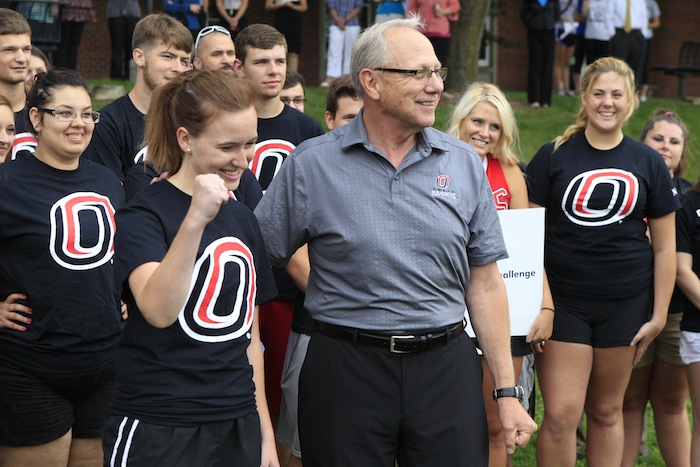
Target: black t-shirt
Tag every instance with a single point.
(57, 232)
(117, 137)
(688, 241)
(140, 176)
(195, 371)
(677, 299)
(277, 138)
(597, 202)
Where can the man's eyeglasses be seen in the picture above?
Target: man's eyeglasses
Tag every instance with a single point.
(69, 115)
(296, 100)
(423, 74)
(208, 30)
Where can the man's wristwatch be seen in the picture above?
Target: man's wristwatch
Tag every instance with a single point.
(516, 391)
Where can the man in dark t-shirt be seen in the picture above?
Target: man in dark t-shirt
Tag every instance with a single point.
(162, 49)
(261, 58)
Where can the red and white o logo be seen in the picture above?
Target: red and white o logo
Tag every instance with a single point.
(269, 156)
(221, 299)
(600, 197)
(82, 231)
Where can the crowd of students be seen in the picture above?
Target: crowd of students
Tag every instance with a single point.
(144, 344)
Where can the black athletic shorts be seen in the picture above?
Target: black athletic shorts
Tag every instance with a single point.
(37, 410)
(129, 441)
(600, 322)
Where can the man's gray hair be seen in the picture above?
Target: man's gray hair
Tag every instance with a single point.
(370, 50)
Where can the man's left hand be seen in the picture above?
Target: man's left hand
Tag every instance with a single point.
(518, 426)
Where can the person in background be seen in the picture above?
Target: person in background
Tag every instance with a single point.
(484, 119)
(565, 39)
(288, 19)
(389, 353)
(539, 17)
(659, 377)
(7, 128)
(37, 64)
(437, 15)
(60, 308)
(688, 280)
(599, 29)
(629, 18)
(389, 9)
(214, 50)
(122, 16)
(74, 16)
(16, 44)
(232, 15)
(342, 103)
(294, 91)
(261, 58)
(601, 190)
(194, 269)
(579, 58)
(162, 49)
(191, 13)
(342, 34)
(654, 13)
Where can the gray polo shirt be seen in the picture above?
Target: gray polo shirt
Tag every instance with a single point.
(390, 248)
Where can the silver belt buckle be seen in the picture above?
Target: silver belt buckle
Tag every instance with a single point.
(392, 344)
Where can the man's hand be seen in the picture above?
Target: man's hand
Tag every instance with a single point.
(518, 426)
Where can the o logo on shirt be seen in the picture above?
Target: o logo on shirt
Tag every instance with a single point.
(269, 156)
(221, 299)
(82, 231)
(141, 155)
(442, 181)
(600, 197)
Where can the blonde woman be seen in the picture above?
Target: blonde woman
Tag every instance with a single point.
(611, 286)
(484, 119)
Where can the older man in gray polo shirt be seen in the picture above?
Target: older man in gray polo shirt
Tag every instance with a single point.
(402, 234)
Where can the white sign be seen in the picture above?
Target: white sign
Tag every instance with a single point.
(522, 271)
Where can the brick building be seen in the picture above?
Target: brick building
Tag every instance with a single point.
(504, 63)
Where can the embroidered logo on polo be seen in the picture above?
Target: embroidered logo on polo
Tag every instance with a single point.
(442, 187)
(219, 310)
(82, 231)
(600, 197)
(269, 156)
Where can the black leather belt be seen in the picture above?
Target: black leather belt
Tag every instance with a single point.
(395, 344)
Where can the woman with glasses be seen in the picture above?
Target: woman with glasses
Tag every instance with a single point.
(60, 312)
(190, 388)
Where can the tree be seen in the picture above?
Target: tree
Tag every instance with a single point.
(464, 45)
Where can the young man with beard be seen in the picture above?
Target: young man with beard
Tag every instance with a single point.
(162, 47)
(15, 55)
